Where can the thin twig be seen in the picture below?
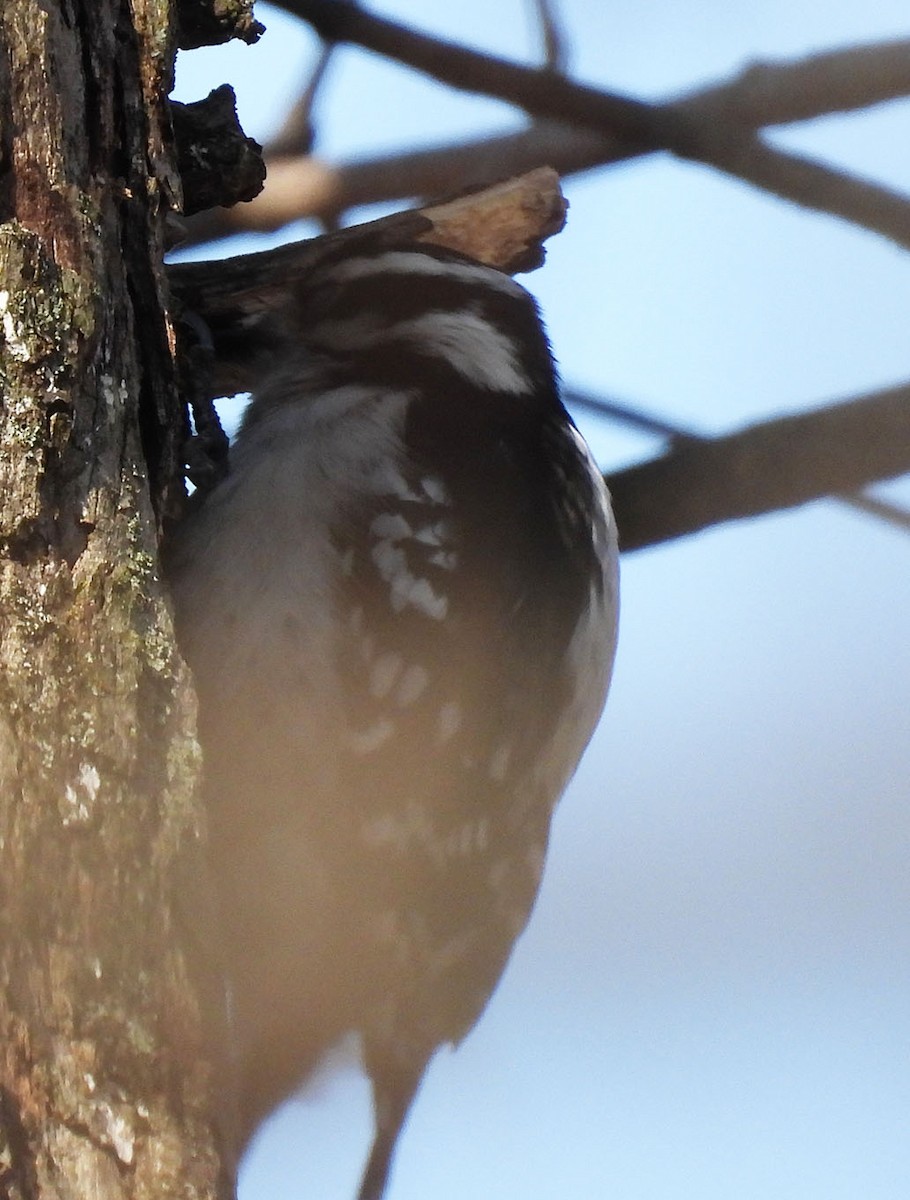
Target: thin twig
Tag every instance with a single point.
(538, 91)
(297, 133)
(624, 413)
(555, 57)
(875, 506)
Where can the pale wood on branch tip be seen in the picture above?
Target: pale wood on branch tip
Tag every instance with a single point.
(506, 224)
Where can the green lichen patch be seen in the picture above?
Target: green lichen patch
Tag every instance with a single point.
(47, 311)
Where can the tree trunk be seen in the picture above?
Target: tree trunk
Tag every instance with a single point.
(104, 1090)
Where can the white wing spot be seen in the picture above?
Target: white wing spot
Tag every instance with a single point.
(390, 560)
(381, 831)
(392, 526)
(535, 859)
(407, 589)
(473, 836)
(432, 535)
(386, 669)
(435, 489)
(371, 739)
(449, 722)
(385, 480)
(412, 685)
(420, 595)
(411, 824)
(499, 875)
(446, 560)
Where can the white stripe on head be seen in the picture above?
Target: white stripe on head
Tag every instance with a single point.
(477, 350)
(413, 262)
(470, 345)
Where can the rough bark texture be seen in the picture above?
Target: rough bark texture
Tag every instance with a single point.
(101, 1091)
(210, 22)
(218, 163)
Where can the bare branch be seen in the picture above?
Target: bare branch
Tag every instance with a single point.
(779, 93)
(310, 187)
(766, 467)
(763, 94)
(723, 142)
(621, 412)
(632, 415)
(537, 90)
(813, 185)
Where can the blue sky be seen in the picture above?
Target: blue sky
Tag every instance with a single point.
(711, 999)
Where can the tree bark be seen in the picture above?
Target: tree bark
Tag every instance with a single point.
(104, 1091)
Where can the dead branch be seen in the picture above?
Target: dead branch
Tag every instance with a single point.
(213, 22)
(505, 225)
(307, 186)
(218, 163)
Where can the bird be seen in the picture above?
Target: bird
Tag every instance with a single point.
(400, 610)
